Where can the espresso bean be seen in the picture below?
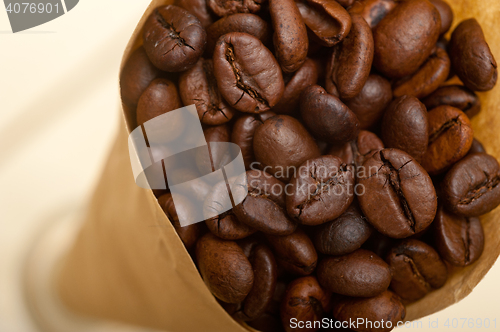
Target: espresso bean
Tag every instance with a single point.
(327, 117)
(405, 126)
(405, 38)
(248, 76)
(446, 14)
(343, 235)
(322, 190)
(471, 57)
(304, 300)
(476, 147)
(351, 61)
(346, 3)
(369, 105)
(290, 34)
(357, 151)
(294, 252)
(282, 144)
(385, 307)
(198, 86)
(174, 39)
(224, 267)
(399, 198)
(199, 9)
(427, 78)
(450, 138)
(218, 152)
(416, 269)
(373, 11)
(328, 20)
(360, 274)
(457, 96)
(459, 240)
(228, 7)
(472, 186)
(247, 23)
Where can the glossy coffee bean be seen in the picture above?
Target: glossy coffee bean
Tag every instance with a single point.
(294, 252)
(243, 132)
(472, 186)
(405, 126)
(198, 86)
(385, 307)
(373, 11)
(306, 76)
(361, 274)
(369, 105)
(247, 23)
(351, 61)
(471, 57)
(229, 7)
(282, 144)
(322, 190)
(446, 14)
(346, 3)
(304, 300)
(199, 9)
(427, 78)
(217, 260)
(174, 39)
(457, 96)
(476, 147)
(328, 20)
(399, 198)
(343, 235)
(357, 151)
(405, 38)
(416, 269)
(327, 117)
(248, 76)
(450, 138)
(290, 34)
(218, 152)
(459, 240)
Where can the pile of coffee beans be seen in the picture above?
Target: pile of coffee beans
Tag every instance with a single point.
(353, 117)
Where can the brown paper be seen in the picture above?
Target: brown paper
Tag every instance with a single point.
(128, 263)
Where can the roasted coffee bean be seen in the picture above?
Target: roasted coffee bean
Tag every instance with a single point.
(294, 252)
(248, 76)
(459, 240)
(304, 301)
(450, 138)
(199, 9)
(471, 57)
(405, 38)
(328, 20)
(174, 39)
(399, 198)
(405, 126)
(472, 186)
(427, 78)
(361, 274)
(248, 23)
(307, 75)
(357, 151)
(264, 206)
(416, 269)
(379, 244)
(217, 260)
(290, 34)
(218, 152)
(327, 117)
(457, 96)
(373, 11)
(385, 307)
(194, 185)
(282, 144)
(343, 235)
(446, 14)
(369, 105)
(351, 61)
(476, 147)
(136, 76)
(243, 132)
(345, 3)
(228, 7)
(198, 86)
(322, 190)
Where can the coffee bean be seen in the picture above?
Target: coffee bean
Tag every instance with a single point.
(459, 240)
(346, 3)
(446, 14)
(476, 147)
(471, 57)
(218, 152)
(416, 269)
(472, 186)
(399, 199)
(450, 138)
(457, 96)
(247, 73)
(199, 9)
(228, 7)
(373, 11)
(360, 274)
(357, 151)
(174, 39)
